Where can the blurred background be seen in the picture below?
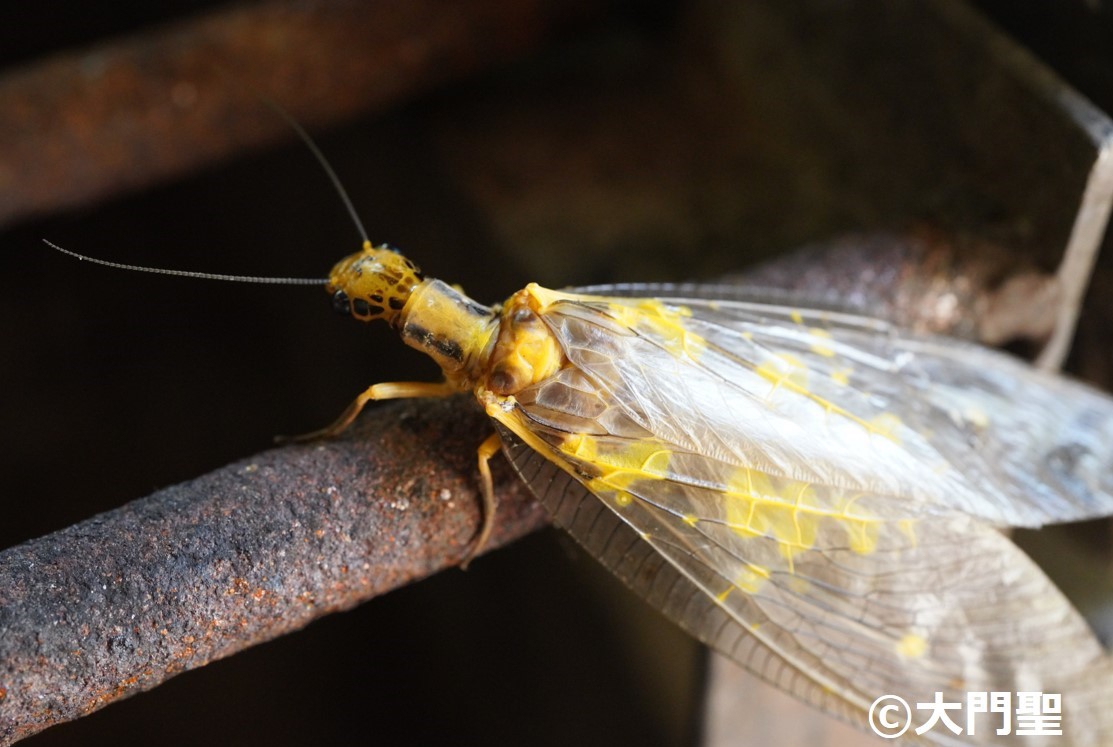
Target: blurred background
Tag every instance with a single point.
(496, 143)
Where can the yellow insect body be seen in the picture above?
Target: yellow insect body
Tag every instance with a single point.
(805, 491)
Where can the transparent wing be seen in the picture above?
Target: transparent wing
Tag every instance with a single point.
(1035, 445)
(837, 648)
(843, 552)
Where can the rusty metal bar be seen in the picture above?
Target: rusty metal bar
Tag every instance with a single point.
(925, 280)
(125, 600)
(83, 126)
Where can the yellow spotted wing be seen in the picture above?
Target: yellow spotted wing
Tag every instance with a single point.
(819, 495)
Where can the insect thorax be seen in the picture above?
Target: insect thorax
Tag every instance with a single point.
(501, 351)
(525, 352)
(451, 328)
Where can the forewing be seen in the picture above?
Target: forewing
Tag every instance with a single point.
(1035, 445)
(827, 530)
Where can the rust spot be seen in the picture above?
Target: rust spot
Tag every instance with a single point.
(125, 686)
(239, 586)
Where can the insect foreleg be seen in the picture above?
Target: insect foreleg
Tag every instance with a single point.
(388, 390)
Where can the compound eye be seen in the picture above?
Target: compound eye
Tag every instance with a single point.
(340, 303)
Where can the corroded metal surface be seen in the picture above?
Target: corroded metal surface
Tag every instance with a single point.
(86, 125)
(927, 281)
(121, 602)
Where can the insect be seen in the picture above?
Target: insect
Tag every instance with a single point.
(818, 495)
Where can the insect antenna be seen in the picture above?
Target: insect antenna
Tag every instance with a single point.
(329, 172)
(312, 145)
(189, 274)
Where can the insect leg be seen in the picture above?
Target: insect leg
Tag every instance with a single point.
(389, 390)
(486, 450)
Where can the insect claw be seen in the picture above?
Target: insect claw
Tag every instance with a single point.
(302, 438)
(337, 427)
